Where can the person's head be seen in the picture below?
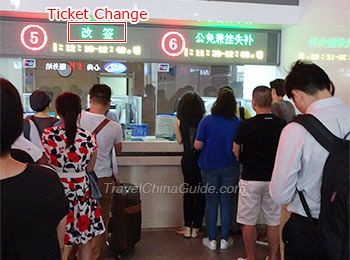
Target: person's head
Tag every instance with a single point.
(191, 107)
(39, 100)
(277, 90)
(225, 88)
(262, 98)
(100, 95)
(306, 83)
(210, 91)
(225, 105)
(68, 106)
(11, 116)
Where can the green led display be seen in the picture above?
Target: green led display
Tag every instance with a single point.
(221, 38)
(332, 42)
(96, 32)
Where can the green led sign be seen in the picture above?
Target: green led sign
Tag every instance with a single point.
(83, 32)
(221, 38)
(332, 42)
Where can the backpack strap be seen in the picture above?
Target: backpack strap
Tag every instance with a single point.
(241, 113)
(101, 125)
(36, 124)
(26, 128)
(321, 133)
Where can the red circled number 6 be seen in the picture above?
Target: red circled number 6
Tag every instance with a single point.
(173, 44)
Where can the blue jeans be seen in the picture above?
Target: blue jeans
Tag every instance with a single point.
(220, 187)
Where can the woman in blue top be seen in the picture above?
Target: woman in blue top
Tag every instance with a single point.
(218, 165)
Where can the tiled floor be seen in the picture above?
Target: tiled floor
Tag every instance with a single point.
(167, 244)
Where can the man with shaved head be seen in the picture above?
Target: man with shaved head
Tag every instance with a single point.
(255, 147)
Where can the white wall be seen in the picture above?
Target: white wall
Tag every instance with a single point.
(322, 19)
(11, 69)
(257, 75)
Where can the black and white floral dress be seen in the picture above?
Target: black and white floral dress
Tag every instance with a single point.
(84, 218)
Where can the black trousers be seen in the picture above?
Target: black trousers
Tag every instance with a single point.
(194, 200)
(301, 240)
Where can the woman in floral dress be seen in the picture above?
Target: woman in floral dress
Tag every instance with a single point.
(72, 152)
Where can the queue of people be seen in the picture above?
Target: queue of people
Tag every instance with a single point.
(50, 213)
(278, 160)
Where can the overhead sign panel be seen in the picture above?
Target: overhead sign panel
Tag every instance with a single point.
(146, 43)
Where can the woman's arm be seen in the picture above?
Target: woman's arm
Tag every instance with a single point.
(236, 149)
(61, 231)
(91, 164)
(177, 131)
(198, 145)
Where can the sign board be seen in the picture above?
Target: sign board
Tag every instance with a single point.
(29, 63)
(148, 43)
(163, 67)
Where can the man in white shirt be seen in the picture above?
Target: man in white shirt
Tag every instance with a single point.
(300, 158)
(108, 138)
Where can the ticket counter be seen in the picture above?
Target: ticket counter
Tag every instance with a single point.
(155, 166)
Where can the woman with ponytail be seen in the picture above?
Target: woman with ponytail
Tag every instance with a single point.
(72, 151)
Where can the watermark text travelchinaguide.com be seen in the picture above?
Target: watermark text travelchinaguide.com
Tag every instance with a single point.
(161, 188)
(100, 14)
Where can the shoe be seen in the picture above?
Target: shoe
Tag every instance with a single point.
(211, 244)
(262, 240)
(241, 258)
(180, 231)
(267, 258)
(195, 232)
(187, 232)
(226, 244)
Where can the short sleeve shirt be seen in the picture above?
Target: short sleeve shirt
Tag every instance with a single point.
(258, 137)
(73, 159)
(32, 205)
(110, 135)
(217, 133)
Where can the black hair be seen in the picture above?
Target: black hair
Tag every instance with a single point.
(225, 105)
(332, 89)
(11, 116)
(277, 85)
(191, 107)
(100, 93)
(307, 77)
(225, 88)
(262, 96)
(68, 105)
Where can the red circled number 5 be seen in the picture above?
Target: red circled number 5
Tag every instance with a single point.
(34, 38)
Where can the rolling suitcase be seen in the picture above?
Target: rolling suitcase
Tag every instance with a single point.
(125, 224)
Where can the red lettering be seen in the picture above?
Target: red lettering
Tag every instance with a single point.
(108, 13)
(144, 15)
(79, 15)
(86, 12)
(62, 13)
(96, 15)
(51, 13)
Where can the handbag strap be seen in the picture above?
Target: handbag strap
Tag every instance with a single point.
(101, 126)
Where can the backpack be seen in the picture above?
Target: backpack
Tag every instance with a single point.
(333, 225)
(26, 129)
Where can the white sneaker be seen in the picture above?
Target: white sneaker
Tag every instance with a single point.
(226, 244)
(187, 232)
(241, 258)
(195, 232)
(211, 244)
